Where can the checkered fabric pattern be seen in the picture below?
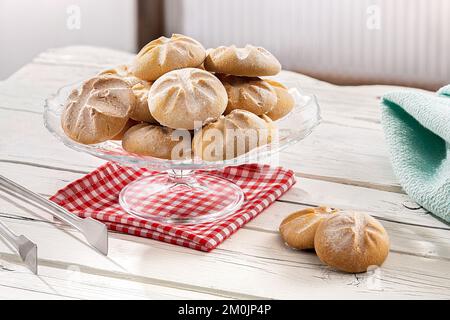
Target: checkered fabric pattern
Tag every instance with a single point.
(96, 195)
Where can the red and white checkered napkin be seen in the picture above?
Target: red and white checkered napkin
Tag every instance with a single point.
(97, 195)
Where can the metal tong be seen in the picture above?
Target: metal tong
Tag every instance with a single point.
(27, 249)
(94, 231)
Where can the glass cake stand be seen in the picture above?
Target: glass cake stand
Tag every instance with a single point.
(187, 177)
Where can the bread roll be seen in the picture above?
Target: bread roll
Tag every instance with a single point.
(166, 54)
(181, 97)
(285, 102)
(98, 111)
(351, 242)
(299, 228)
(230, 136)
(141, 111)
(156, 141)
(250, 61)
(251, 94)
(140, 89)
(122, 71)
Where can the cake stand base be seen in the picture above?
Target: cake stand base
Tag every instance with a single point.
(181, 197)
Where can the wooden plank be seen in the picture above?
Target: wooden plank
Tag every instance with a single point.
(414, 239)
(346, 155)
(26, 93)
(406, 239)
(28, 141)
(350, 126)
(15, 293)
(388, 206)
(84, 56)
(237, 268)
(70, 282)
(344, 162)
(22, 91)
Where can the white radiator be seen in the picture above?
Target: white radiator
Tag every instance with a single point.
(346, 41)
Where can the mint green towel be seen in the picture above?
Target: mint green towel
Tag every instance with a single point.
(417, 131)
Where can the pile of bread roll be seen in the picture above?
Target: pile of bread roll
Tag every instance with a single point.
(175, 84)
(348, 241)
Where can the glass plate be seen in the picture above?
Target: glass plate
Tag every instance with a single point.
(180, 176)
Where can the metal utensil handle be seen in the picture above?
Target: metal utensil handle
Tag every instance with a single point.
(10, 236)
(56, 210)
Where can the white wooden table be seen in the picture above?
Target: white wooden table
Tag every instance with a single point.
(344, 164)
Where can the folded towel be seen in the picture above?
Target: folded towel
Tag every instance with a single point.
(417, 131)
(96, 195)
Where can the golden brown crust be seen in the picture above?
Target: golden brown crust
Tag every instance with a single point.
(183, 97)
(285, 101)
(249, 61)
(351, 242)
(251, 94)
(230, 136)
(299, 228)
(97, 111)
(166, 54)
(152, 140)
(140, 111)
(121, 71)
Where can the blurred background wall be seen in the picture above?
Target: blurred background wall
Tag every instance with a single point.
(28, 27)
(343, 41)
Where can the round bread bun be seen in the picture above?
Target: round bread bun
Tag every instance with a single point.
(98, 111)
(166, 54)
(152, 140)
(122, 71)
(183, 97)
(140, 89)
(230, 136)
(285, 101)
(250, 61)
(251, 94)
(141, 111)
(351, 242)
(299, 228)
